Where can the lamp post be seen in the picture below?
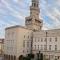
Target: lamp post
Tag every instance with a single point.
(39, 56)
(46, 45)
(46, 41)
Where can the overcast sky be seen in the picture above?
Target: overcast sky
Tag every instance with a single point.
(13, 12)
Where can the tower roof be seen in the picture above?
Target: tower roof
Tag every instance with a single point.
(35, 1)
(33, 22)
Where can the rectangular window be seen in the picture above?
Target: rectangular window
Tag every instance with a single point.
(49, 47)
(38, 47)
(35, 46)
(23, 51)
(55, 47)
(38, 40)
(27, 44)
(44, 47)
(27, 51)
(50, 39)
(28, 37)
(24, 43)
(41, 40)
(24, 36)
(56, 39)
(41, 47)
(35, 39)
(45, 39)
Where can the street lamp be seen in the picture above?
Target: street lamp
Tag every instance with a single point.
(39, 56)
(46, 41)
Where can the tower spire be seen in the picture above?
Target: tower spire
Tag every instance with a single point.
(34, 8)
(35, 2)
(33, 22)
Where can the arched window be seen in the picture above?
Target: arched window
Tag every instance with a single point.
(37, 5)
(9, 57)
(34, 5)
(14, 57)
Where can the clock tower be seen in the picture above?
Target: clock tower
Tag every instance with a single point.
(33, 22)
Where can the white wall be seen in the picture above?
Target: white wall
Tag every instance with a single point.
(14, 38)
(22, 35)
(10, 41)
(51, 34)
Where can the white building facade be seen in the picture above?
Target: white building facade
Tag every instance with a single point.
(16, 38)
(31, 38)
(47, 42)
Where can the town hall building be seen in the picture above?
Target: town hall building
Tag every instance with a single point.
(22, 40)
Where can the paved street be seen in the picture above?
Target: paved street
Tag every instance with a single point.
(1, 58)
